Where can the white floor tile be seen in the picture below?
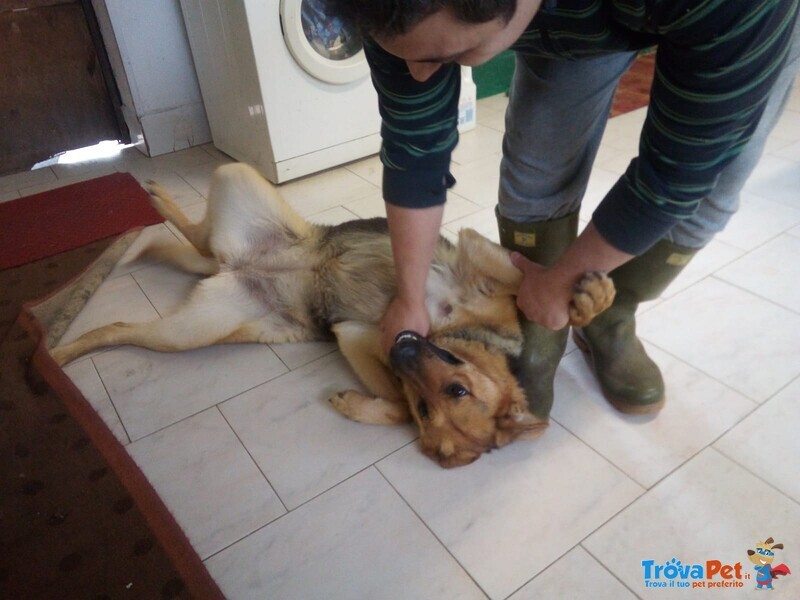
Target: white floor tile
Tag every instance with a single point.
(757, 221)
(627, 125)
(496, 103)
(175, 161)
(767, 443)
(68, 179)
(745, 341)
(576, 576)
(457, 207)
(302, 444)
(614, 160)
(714, 256)
(85, 377)
(216, 153)
(25, 179)
(477, 144)
(790, 151)
(332, 216)
(479, 182)
(788, 127)
(195, 213)
(771, 271)
(117, 299)
(326, 190)
(698, 409)
(369, 169)
(495, 120)
(182, 193)
(7, 195)
(79, 171)
(600, 183)
(207, 480)
(368, 206)
(152, 390)
(776, 179)
(199, 176)
(483, 221)
(506, 516)
(357, 541)
(297, 355)
(165, 286)
(710, 509)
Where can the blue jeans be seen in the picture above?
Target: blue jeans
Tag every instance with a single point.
(556, 116)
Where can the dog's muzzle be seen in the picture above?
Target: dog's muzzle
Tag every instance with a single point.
(410, 347)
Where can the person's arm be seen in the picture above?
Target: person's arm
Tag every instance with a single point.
(707, 97)
(545, 293)
(419, 133)
(414, 233)
(715, 68)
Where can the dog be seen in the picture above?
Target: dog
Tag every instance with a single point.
(272, 277)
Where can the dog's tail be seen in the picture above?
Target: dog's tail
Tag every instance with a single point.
(182, 256)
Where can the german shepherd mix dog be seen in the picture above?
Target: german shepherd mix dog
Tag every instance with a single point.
(272, 277)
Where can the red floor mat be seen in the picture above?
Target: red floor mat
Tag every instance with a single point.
(52, 222)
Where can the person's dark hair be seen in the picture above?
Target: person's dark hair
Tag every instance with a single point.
(388, 18)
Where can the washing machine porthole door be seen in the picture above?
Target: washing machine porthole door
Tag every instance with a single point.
(322, 45)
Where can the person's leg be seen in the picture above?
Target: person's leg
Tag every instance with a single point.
(722, 203)
(555, 119)
(630, 380)
(556, 116)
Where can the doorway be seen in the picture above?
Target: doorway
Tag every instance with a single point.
(57, 91)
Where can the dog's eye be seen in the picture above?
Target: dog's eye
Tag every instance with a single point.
(422, 409)
(456, 390)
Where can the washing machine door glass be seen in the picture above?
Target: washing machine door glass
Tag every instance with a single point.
(320, 43)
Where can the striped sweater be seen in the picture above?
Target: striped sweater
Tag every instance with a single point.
(716, 63)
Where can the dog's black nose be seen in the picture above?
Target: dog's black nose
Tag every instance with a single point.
(406, 350)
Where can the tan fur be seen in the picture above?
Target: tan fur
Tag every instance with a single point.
(274, 278)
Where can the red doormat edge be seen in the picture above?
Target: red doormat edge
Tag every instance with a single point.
(158, 516)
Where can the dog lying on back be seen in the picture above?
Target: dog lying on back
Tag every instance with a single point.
(273, 277)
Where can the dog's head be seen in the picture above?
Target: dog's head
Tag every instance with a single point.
(764, 553)
(462, 393)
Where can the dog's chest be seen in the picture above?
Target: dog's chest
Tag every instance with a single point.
(444, 295)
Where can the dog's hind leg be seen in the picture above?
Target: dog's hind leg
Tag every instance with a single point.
(182, 256)
(360, 345)
(216, 309)
(196, 233)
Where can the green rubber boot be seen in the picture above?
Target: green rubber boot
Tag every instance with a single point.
(543, 242)
(630, 380)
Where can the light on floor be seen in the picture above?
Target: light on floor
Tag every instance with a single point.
(102, 150)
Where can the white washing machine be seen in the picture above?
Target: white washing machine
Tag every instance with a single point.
(286, 88)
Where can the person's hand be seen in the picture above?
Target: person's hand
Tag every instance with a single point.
(545, 293)
(402, 315)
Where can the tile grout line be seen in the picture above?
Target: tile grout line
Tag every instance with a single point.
(436, 537)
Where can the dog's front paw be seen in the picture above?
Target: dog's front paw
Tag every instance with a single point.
(366, 409)
(593, 294)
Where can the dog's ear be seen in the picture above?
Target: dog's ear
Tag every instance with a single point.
(518, 423)
(487, 265)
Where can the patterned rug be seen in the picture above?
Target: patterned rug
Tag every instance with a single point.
(78, 519)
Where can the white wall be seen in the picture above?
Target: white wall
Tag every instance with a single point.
(152, 62)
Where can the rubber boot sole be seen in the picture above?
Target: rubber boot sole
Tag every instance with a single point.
(622, 406)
